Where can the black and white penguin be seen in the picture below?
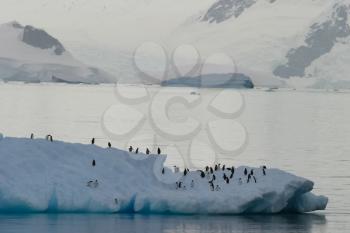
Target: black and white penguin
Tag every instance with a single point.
(227, 180)
(233, 169)
(231, 176)
(224, 176)
(249, 176)
(147, 151)
(137, 150)
(216, 167)
(31, 136)
(109, 144)
(214, 177)
(245, 171)
(163, 170)
(264, 172)
(159, 151)
(93, 141)
(51, 139)
(93, 163)
(202, 173)
(206, 168)
(252, 172)
(223, 167)
(130, 148)
(185, 172)
(211, 170)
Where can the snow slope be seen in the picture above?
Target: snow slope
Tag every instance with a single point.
(42, 176)
(31, 55)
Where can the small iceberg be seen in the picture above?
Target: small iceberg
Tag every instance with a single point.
(37, 175)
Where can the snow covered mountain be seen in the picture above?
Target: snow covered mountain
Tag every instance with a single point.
(287, 41)
(31, 55)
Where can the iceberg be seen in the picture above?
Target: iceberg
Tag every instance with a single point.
(37, 175)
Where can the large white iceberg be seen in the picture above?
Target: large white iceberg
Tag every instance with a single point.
(42, 176)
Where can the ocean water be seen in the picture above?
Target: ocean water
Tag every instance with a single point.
(303, 132)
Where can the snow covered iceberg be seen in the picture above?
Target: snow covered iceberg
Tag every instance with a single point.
(42, 176)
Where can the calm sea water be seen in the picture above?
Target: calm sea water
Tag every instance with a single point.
(304, 132)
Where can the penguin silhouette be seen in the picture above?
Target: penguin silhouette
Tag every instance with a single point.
(130, 148)
(137, 150)
(227, 180)
(245, 171)
(147, 151)
(223, 167)
(224, 176)
(264, 172)
(202, 174)
(206, 168)
(51, 139)
(109, 144)
(32, 136)
(216, 167)
(163, 170)
(185, 172)
(248, 178)
(93, 163)
(231, 175)
(233, 169)
(93, 141)
(252, 172)
(159, 151)
(214, 177)
(211, 170)
(180, 184)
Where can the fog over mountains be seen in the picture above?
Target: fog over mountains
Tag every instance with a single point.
(275, 42)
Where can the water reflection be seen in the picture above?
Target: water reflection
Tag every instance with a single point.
(78, 223)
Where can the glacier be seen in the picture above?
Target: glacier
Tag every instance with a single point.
(37, 175)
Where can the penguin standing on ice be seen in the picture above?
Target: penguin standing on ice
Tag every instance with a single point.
(202, 173)
(214, 177)
(249, 176)
(245, 171)
(211, 170)
(159, 151)
(93, 163)
(31, 136)
(130, 148)
(109, 144)
(206, 168)
(147, 151)
(252, 172)
(233, 169)
(93, 141)
(231, 176)
(185, 172)
(227, 180)
(224, 176)
(137, 150)
(216, 167)
(51, 139)
(223, 167)
(211, 185)
(163, 171)
(264, 172)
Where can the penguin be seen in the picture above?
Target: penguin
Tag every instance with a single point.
(249, 176)
(109, 144)
(216, 167)
(163, 170)
(211, 185)
(227, 180)
(159, 151)
(223, 167)
(214, 177)
(211, 170)
(245, 171)
(202, 174)
(137, 150)
(252, 172)
(206, 168)
(31, 136)
(224, 176)
(233, 169)
(192, 184)
(93, 141)
(130, 148)
(185, 172)
(180, 184)
(147, 151)
(93, 163)
(51, 139)
(264, 172)
(231, 176)
(264, 167)
(254, 179)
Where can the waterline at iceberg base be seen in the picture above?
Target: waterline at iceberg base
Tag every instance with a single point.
(42, 176)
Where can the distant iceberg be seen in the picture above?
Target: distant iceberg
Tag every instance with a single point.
(236, 80)
(42, 176)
